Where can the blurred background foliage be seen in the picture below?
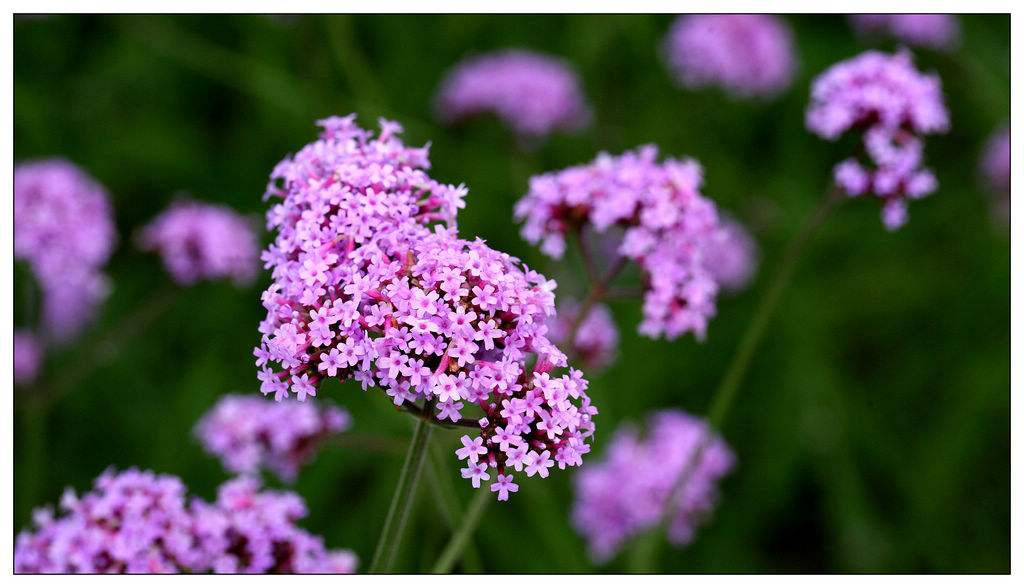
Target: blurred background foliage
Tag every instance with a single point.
(872, 432)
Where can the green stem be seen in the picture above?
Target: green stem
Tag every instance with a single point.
(460, 539)
(646, 549)
(401, 502)
(448, 504)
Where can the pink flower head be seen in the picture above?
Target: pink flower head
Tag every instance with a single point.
(64, 230)
(597, 338)
(733, 257)
(532, 93)
(626, 494)
(28, 355)
(935, 31)
(435, 321)
(200, 241)
(248, 433)
(995, 166)
(668, 227)
(747, 55)
(893, 105)
(137, 522)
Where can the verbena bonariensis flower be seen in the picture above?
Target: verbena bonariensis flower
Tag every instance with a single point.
(247, 433)
(936, 31)
(64, 229)
(626, 493)
(746, 55)
(733, 258)
(253, 532)
(140, 522)
(884, 97)
(533, 94)
(668, 226)
(597, 339)
(995, 165)
(27, 357)
(200, 241)
(365, 289)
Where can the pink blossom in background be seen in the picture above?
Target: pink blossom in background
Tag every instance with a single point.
(28, 355)
(625, 494)
(733, 256)
(138, 522)
(747, 55)
(597, 339)
(935, 31)
(884, 98)
(64, 229)
(532, 93)
(995, 166)
(248, 433)
(200, 241)
(668, 226)
(369, 284)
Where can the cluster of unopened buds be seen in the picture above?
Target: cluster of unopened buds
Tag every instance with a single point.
(372, 283)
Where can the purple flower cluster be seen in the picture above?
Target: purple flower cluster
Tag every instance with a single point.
(200, 241)
(28, 355)
(887, 99)
(597, 339)
(533, 94)
(745, 54)
(626, 493)
(64, 229)
(139, 522)
(247, 433)
(995, 162)
(668, 225)
(936, 31)
(364, 289)
(733, 256)
(995, 166)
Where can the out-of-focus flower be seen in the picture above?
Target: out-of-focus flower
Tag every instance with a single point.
(747, 55)
(597, 339)
(995, 166)
(364, 288)
(892, 104)
(668, 227)
(27, 356)
(138, 522)
(533, 94)
(936, 31)
(732, 257)
(252, 532)
(248, 433)
(200, 241)
(64, 229)
(626, 494)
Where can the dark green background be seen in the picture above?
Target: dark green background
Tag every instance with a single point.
(872, 432)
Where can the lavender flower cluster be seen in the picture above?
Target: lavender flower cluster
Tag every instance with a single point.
(669, 226)
(139, 522)
(28, 355)
(884, 97)
(532, 93)
(596, 341)
(365, 288)
(247, 433)
(64, 229)
(936, 31)
(627, 493)
(200, 241)
(733, 257)
(747, 55)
